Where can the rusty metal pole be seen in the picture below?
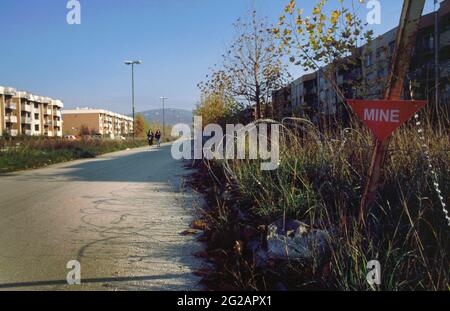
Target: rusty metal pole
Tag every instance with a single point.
(405, 42)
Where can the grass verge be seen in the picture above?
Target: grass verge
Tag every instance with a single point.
(35, 153)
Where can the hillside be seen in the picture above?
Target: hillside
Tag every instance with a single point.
(172, 115)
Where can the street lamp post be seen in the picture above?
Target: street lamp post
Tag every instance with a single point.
(164, 121)
(132, 63)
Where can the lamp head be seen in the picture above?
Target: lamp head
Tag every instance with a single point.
(132, 62)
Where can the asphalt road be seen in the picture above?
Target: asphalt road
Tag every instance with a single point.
(120, 215)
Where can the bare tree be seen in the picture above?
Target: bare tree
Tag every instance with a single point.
(252, 67)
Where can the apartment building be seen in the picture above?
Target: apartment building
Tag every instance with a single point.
(304, 94)
(282, 97)
(8, 112)
(313, 95)
(22, 113)
(423, 69)
(96, 121)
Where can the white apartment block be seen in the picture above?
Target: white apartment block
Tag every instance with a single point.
(25, 114)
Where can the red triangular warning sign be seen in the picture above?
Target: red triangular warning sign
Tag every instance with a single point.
(383, 117)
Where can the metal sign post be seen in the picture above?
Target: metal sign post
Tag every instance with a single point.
(405, 42)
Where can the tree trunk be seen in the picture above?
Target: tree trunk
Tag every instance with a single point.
(258, 102)
(258, 110)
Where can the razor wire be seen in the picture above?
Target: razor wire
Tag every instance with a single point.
(426, 151)
(434, 174)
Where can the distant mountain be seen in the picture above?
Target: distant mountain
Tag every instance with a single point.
(172, 116)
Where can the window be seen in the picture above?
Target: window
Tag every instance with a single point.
(380, 52)
(445, 22)
(428, 42)
(36, 127)
(391, 47)
(431, 43)
(36, 116)
(369, 59)
(36, 106)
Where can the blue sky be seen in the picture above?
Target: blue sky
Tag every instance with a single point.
(178, 40)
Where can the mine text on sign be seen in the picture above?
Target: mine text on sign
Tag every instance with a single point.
(383, 117)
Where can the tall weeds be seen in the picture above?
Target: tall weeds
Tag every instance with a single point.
(320, 182)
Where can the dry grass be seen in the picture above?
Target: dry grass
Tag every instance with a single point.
(320, 182)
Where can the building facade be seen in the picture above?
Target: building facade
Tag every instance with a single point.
(304, 93)
(423, 70)
(96, 121)
(25, 114)
(282, 98)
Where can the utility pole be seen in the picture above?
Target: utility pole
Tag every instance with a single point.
(163, 113)
(436, 54)
(132, 63)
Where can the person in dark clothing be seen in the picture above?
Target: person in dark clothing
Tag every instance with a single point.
(158, 138)
(150, 137)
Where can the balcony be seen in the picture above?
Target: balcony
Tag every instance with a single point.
(48, 133)
(9, 91)
(11, 119)
(58, 113)
(444, 39)
(11, 105)
(27, 132)
(26, 120)
(58, 123)
(310, 91)
(12, 132)
(26, 108)
(48, 122)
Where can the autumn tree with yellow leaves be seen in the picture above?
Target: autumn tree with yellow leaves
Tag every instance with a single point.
(327, 40)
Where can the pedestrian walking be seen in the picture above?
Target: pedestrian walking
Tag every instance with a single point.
(150, 137)
(158, 138)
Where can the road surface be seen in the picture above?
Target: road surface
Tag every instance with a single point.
(120, 215)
